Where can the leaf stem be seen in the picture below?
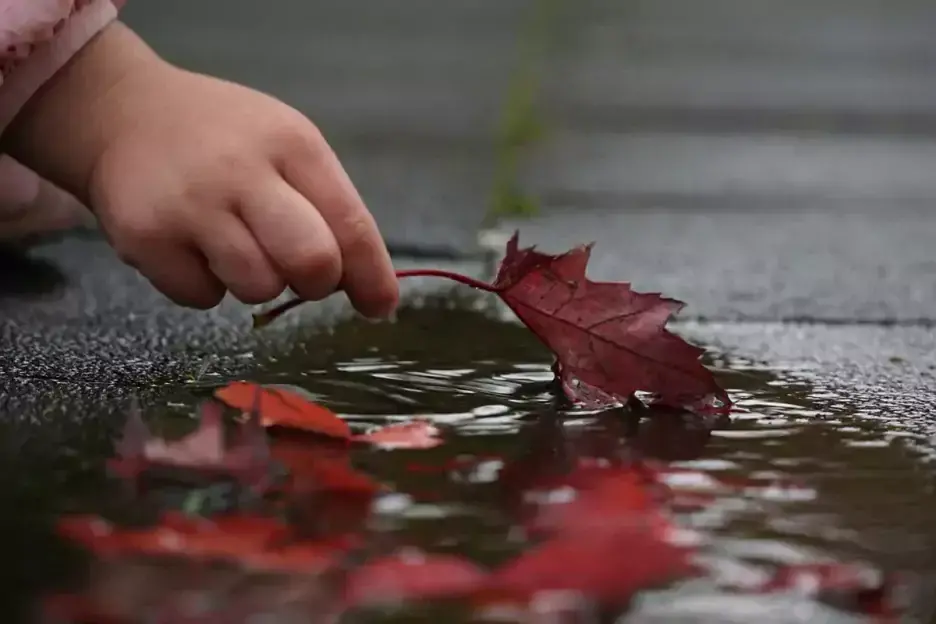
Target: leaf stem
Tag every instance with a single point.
(265, 318)
(456, 277)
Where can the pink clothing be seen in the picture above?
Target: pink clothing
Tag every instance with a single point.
(37, 38)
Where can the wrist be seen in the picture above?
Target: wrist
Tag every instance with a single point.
(65, 128)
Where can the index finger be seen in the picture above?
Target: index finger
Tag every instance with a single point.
(368, 277)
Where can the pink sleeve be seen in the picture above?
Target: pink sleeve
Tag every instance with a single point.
(37, 37)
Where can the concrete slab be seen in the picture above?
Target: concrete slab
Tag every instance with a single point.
(784, 167)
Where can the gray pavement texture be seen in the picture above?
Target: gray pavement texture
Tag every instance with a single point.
(765, 161)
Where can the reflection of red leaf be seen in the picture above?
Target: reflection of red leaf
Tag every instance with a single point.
(284, 408)
(321, 465)
(412, 575)
(203, 450)
(608, 566)
(617, 498)
(417, 434)
(175, 535)
(609, 341)
(252, 541)
(302, 454)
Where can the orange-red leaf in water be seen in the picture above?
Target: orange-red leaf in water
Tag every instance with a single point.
(257, 542)
(411, 575)
(609, 341)
(283, 408)
(416, 434)
(176, 534)
(203, 450)
(607, 566)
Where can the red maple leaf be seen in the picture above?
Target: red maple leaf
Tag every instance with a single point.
(609, 341)
(203, 451)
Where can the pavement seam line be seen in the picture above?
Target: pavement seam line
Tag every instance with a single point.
(521, 124)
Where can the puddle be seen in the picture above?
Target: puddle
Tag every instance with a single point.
(819, 484)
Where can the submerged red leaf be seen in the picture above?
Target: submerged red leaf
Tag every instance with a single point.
(279, 407)
(203, 451)
(412, 575)
(176, 534)
(416, 434)
(255, 542)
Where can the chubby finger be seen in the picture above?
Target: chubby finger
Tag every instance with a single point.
(295, 238)
(180, 273)
(238, 261)
(367, 271)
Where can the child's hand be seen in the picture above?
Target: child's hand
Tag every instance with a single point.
(206, 186)
(216, 187)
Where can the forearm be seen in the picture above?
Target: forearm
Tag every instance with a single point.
(66, 125)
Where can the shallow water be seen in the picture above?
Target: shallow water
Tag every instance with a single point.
(834, 485)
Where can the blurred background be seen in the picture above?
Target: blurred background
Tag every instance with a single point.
(777, 153)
